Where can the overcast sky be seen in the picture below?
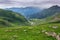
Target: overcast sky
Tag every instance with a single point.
(26, 3)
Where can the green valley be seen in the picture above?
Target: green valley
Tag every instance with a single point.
(14, 26)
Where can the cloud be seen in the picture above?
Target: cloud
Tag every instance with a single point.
(22, 0)
(24, 3)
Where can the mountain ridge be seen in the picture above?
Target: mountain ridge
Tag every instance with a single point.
(27, 11)
(10, 18)
(46, 12)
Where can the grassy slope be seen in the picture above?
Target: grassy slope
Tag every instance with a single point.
(28, 33)
(10, 18)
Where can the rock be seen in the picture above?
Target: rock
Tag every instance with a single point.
(43, 30)
(55, 27)
(58, 37)
(53, 34)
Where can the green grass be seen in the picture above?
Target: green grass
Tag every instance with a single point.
(28, 32)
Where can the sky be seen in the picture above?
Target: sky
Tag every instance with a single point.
(27, 3)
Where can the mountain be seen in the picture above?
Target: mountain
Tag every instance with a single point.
(54, 18)
(10, 18)
(46, 12)
(27, 11)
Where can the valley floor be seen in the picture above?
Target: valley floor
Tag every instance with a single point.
(39, 32)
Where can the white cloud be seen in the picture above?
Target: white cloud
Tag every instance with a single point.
(22, 0)
(24, 3)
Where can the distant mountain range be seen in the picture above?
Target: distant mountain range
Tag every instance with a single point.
(46, 12)
(36, 13)
(27, 11)
(12, 16)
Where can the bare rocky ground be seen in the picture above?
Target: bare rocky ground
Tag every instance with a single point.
(53, 34)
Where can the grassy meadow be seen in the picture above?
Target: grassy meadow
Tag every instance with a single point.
(29, 32)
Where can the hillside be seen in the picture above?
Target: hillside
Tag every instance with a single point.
(10, 18)
(54, 18)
